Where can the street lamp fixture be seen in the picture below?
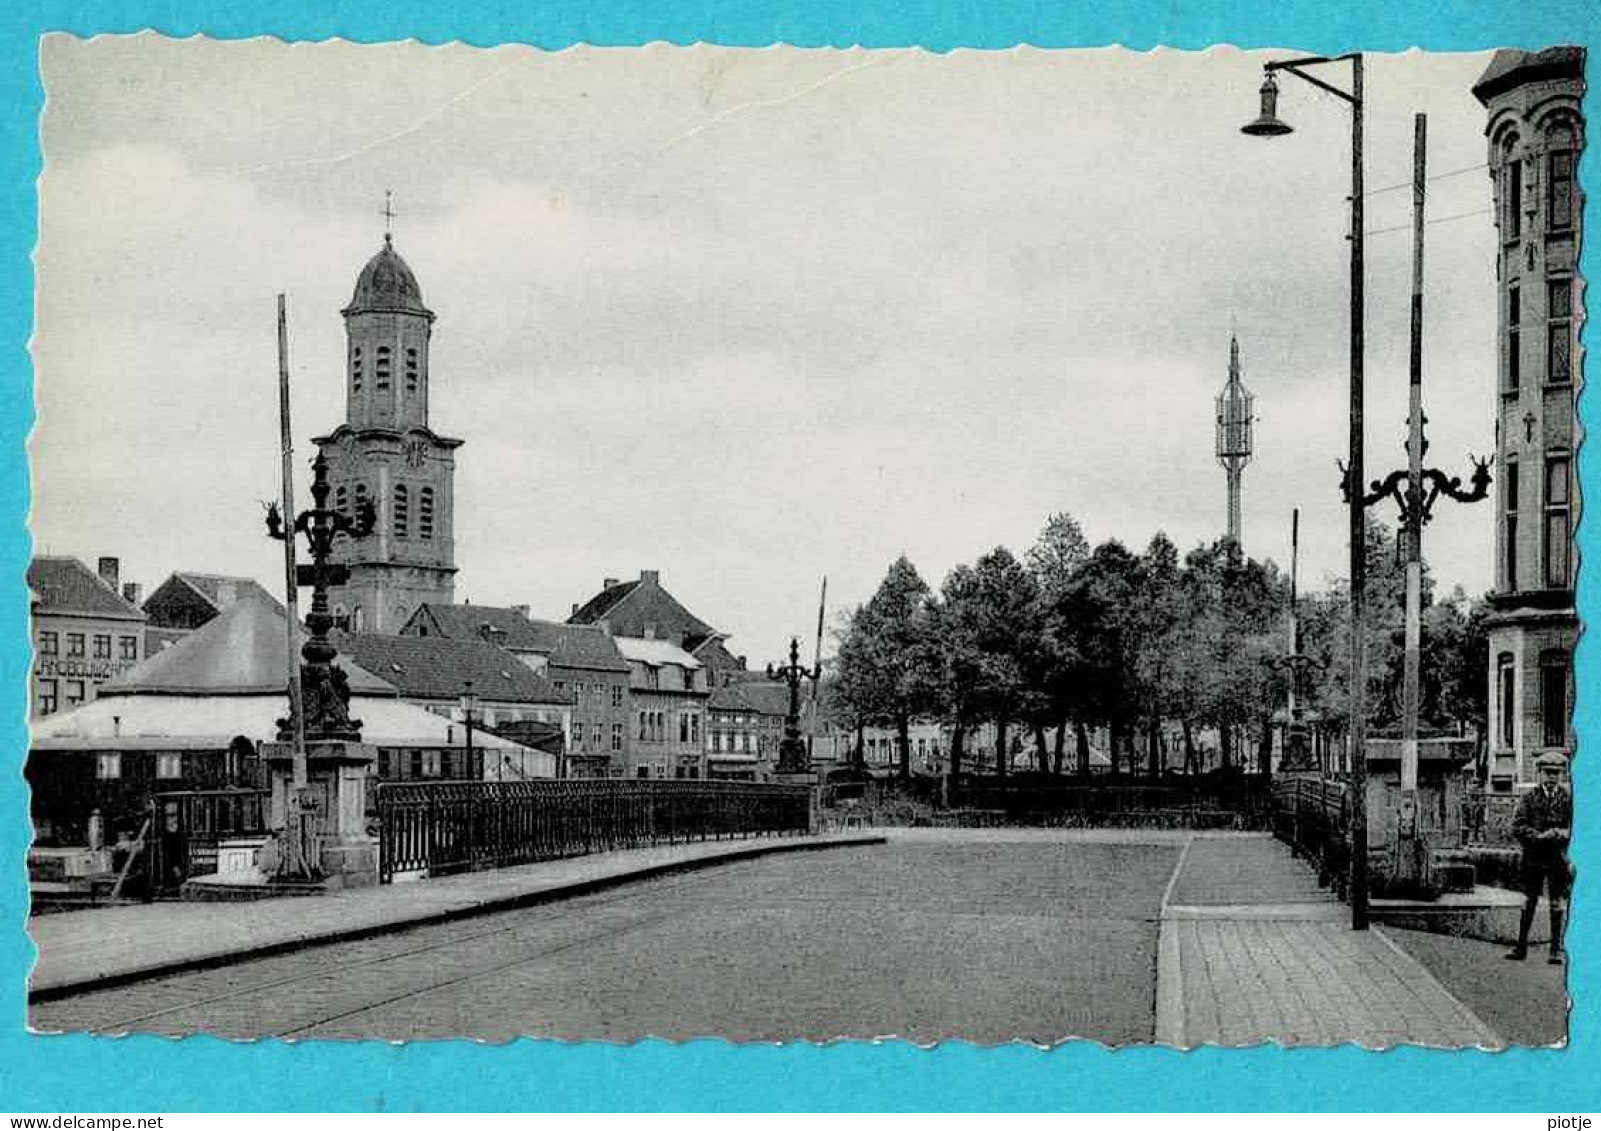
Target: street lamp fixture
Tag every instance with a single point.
(469, 703)
(1268, 124)
(792, 753)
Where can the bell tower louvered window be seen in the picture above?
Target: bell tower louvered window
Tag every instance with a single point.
(425, 514)
(402, 512)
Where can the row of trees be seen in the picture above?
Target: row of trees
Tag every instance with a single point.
(1074, 638)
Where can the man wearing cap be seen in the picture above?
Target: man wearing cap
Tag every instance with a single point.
(1543, 825)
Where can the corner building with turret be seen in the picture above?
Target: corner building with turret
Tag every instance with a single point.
(385, 453)
(1535, 134)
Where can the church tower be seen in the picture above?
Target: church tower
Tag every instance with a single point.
(386, 453)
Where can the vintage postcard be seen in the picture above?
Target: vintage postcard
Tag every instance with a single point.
(804, 544)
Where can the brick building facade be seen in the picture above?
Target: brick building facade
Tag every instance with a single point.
(85, 631)
(1535, 135)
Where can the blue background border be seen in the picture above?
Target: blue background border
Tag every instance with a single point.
(79, 1073)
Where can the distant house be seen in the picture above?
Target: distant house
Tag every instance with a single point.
(579, 660)
(438, 673)
(85, 630)
(186, 601)
(745, 722)
(668, 690)
(645, 610)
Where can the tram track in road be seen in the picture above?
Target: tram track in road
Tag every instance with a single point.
(542, 917)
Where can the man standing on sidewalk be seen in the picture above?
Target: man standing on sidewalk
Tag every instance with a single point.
(1543, 825)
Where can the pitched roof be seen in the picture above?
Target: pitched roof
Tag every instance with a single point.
(567, 645)
(66, 585)
(240, 652)
(764, 698)
(602, 603)
(223, 591)
(436, 667)
(1510, 67)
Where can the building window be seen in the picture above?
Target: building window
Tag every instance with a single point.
(402, 512)
(425, 514)
(411, 370)
(1509, 527)
(74, 695)
(578, 733)
(694, 728)
(1506, 683)
(129, 646)
(108, 765)
(683, 727)
(643, 771)
(617, 695)
(49, 644)
(1557, 532)
(1554, 697)
(48, 703)
(342, 499)
(642, 726)
(75, 645)
(169, 764)
(355, 370)
(102, 646)
(652, 678)
(382, 375)
(1514, 355)
(1559, 180)
(616, 737)
(358, 619)
(430, 763)
(1559, 333)
(1511, 190)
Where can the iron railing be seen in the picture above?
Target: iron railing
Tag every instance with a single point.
(1313, 816)
(1239, 801)
(442, 827)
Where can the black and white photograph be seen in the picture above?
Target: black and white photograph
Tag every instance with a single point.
(804, 544)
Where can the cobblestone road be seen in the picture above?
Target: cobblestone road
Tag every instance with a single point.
(989, 939)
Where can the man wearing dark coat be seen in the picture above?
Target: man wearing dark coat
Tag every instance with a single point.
(1543, 825)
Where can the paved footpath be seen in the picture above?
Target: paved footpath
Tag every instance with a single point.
(79, 950)
(1252, 951)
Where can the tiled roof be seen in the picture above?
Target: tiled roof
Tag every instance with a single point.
(222, 591)
(603, 602)
(434, 667)
(66, 585)
(567, 645)
(1510, 67)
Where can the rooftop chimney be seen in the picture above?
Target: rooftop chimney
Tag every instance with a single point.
(608, 583)
(574, 613)
(132, 591)
(650, 576)
(108, 572)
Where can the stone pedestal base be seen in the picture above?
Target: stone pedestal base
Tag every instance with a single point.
(337, 778)
(812, 780)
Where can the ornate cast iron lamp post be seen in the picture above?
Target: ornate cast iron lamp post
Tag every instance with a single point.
(1268, 124)
(324, 689)
(792, 757)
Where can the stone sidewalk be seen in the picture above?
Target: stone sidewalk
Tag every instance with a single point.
(79, 950)
(1252, 951)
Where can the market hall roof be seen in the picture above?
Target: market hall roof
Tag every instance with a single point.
(243, 651)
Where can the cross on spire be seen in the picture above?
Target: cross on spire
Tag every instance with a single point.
(389, 214)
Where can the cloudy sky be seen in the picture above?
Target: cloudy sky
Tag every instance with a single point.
(746, 317)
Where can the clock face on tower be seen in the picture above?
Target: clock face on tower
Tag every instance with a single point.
(416, 451)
